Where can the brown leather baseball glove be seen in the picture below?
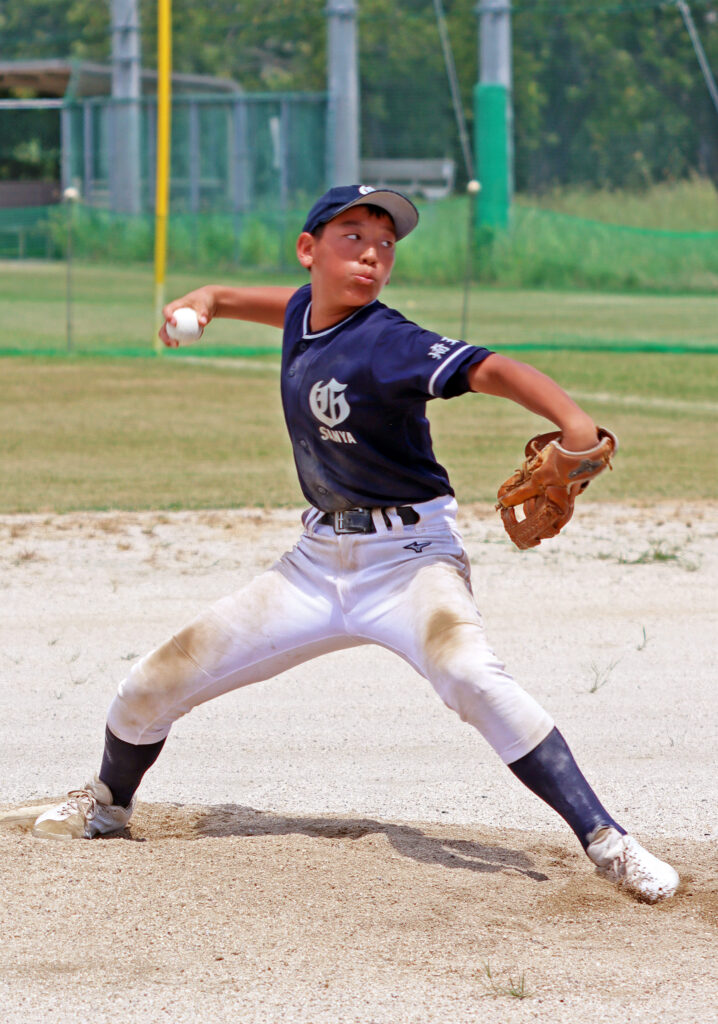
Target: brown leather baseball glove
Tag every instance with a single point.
(547, 485)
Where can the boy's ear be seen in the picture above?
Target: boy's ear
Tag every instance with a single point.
(305, 249)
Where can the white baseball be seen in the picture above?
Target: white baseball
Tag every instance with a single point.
(187, 329)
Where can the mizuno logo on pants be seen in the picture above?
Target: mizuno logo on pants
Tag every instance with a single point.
(417, 545)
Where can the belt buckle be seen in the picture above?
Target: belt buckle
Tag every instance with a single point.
(353, 520)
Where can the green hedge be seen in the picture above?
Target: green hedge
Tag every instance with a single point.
(540, 248)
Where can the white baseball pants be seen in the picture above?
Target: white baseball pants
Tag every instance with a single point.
(406, 588)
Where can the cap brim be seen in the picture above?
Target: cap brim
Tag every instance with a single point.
(401, 210)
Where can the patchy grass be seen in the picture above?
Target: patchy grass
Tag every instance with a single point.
(659, 552)
(690, 205)
(167, 434)
(178, 432)
(113, 309)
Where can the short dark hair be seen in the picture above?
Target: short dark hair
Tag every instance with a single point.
(374, 211)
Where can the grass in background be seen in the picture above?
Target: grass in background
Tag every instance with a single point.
(670, 206)
(113, 311)
(112, 308)
(165, 433)
(666, 450)
(141, 434)
(664, 239)
(542, 249)
(179, 432)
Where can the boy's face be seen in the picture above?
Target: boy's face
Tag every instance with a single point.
(353, 258)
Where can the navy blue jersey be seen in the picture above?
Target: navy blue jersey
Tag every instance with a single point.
(354, 399)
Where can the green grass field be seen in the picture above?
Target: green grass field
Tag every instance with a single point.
(112, 312)
(690, 205)
(95, 432)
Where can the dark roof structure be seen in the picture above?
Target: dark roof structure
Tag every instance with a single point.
(75, 79)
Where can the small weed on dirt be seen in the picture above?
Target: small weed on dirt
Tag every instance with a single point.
(601, 674)
(514, 987)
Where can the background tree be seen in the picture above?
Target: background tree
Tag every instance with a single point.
(603, 95)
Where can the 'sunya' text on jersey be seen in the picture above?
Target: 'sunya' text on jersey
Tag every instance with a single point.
(340, 436)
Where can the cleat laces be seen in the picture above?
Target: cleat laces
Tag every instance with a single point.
(83, 801)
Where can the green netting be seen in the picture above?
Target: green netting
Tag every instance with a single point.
(405, 98)
(540, 248)
(261, 239)
(228, 153)
(28, 233)
(29, 145)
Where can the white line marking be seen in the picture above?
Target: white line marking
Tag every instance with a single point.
(230, 363)
(646, 402)
(603, 397)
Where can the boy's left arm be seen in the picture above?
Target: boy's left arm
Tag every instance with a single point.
(507, 378)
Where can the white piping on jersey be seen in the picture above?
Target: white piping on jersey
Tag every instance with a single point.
(440, 367)
(341, 323)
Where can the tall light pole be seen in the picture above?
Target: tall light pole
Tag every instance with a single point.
(125, 181)
(343, 88)
(493, 114)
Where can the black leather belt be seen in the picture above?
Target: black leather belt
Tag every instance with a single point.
(359, 520)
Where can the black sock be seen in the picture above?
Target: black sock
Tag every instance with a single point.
(549, 771)
(124, 764)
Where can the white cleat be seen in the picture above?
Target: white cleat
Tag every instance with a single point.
(623, 861)
(86, 813)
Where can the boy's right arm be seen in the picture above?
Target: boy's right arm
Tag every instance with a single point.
(259, 305)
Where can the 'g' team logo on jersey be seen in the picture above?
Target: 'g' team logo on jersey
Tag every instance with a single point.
(329, 404)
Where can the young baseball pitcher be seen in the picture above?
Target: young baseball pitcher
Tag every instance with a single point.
(380, 559)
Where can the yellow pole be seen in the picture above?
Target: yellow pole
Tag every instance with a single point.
(164, 110)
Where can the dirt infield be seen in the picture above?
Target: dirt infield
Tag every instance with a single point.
(334, 845)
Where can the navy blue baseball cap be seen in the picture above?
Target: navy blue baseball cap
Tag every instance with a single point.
(401, 210)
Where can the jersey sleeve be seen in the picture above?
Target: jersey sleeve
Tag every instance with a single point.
(423, 364)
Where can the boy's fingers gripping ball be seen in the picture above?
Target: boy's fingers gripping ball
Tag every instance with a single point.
(547, 483)
(188, 327)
